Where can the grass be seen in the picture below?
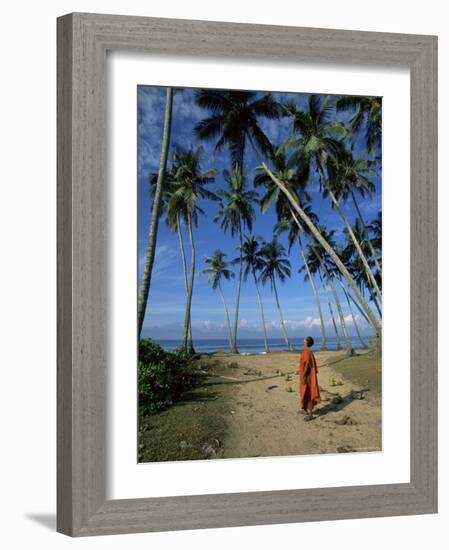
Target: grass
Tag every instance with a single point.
(365, 370)
(192, 429)
(195, 427)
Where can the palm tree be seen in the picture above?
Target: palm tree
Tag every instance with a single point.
(336, 186)
(253, 263)
(352, 299)
(353, 176)
(178, 228)
(155, 215)
(314, 139)
(376, 228)
(218, 270)
(236, 213)
(313, 263)
(351, 311)
(295, 229)
(275, 265)
(367, 115)
(313, 144)
(315, 149)
(174, 222)
(287, 220)
(314, 232)
(188, 188)
(349, 350)
(331, 311)
(317, 300)
(372, 280)
(359, 275)
(273, 195)
(285, 215)
(352, 259)
(328, 270)
(234, 120)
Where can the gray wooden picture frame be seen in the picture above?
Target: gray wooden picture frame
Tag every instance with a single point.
(83, 40)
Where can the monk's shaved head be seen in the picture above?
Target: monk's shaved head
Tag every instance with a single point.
(310, 341)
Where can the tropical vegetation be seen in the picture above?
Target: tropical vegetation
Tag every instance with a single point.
(331, 153)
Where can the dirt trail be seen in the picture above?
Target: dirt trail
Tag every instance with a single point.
(265, 417)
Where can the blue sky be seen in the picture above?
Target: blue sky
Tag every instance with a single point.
(166, 304)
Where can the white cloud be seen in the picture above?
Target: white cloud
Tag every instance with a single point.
(308, 322)
(184, 106)
(208, 328)
(151, 102)
(149, 156)
(152, 105)
(164, 259)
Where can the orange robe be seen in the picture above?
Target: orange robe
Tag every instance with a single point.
(309, 393)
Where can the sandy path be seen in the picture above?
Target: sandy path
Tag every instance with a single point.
(264, 419)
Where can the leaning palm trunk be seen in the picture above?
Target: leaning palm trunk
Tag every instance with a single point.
(237, 300)
(365, 232)
(318, 237)
(331, 311)
(349, 350)
(227, 314)
(317, 299)
(374, 300)
(287, 341)
(359, 336)
(185, 344)
(356, 326)
(262, 315)
(369, 273)
(353, 300)
(186, 284)
(155, 214)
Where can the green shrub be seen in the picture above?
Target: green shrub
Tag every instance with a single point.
(163, 376)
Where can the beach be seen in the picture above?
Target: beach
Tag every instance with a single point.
(248, 406)
(257, 345)
(276, 237)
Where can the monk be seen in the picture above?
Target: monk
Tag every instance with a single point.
(309, 391)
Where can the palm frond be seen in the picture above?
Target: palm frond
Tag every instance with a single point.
(212, 100)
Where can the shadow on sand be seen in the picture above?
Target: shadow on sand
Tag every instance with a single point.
(335, 407)
(230, 382)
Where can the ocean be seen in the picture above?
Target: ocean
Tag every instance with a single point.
(256, 345)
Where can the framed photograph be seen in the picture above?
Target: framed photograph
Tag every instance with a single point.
(247, 274)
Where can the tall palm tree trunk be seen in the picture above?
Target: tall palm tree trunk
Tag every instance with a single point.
(155, 214)
(353, 300)
(368, 270)
(356, 326)
(317, 300)
(317, 236)
(185, 345)
(186, 284)
(331, 311)
(287, 341)
(349, 350)
(365, 231)
(374, 300)
(227, 315)
(237, 299)
(262, 315)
